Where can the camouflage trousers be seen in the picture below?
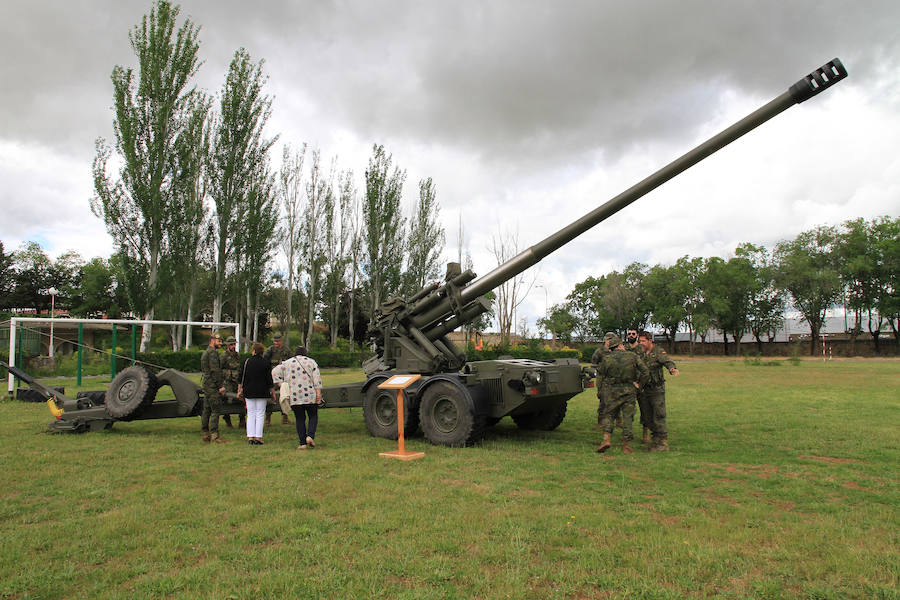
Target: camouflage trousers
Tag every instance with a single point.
(602, 394)
(655, 401)
(212, 408)
(620, 401)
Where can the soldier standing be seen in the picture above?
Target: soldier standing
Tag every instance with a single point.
(231, 370)
(596, 359)
(654, 394)
(623, 373)
(213, 388)
(275, 354)
(632, 343)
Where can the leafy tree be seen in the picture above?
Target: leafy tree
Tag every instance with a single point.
(190, 234)
(98, 292)
(667, 290)
(151, 110)
(625, 298)
(863, 252)
(695, 316)
(6, 278)
(425, 242)
(338, 238)
(727, 286)
(65, 276)
(258, 241)
(383, 226)
(805, 268)
(885, 235)
(766, 300)
(319, 203)
(31, 273)
(585, 304)
(290, 191)
(560, 322)
(239, 149)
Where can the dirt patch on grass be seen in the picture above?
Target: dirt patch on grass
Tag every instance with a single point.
(831, 460)
(761, 471)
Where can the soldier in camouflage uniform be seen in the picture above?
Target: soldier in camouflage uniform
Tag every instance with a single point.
(275, 354)
(632, 344)
(654, 394)
(213, 388)
(623, 373)
(231, 370)
(596, 359)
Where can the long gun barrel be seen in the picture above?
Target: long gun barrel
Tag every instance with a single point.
(411, 334)
(814, 83)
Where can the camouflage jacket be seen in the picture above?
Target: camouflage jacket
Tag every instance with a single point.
(596, 361)
(231, 370)
(211, 367)
(657, 360)
(621, 368)
(276, 356)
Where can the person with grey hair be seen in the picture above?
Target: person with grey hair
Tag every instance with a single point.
(303, 376)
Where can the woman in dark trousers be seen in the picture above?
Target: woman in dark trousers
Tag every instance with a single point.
(302, 374)
(257, 389)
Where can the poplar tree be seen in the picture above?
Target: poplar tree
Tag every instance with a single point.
(290, 191)
(151, 108)
(426, 240)
(384, 225)
(239, 149)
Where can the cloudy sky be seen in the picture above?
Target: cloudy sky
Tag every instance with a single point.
(526, 114)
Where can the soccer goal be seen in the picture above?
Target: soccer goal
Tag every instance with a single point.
(16, 323)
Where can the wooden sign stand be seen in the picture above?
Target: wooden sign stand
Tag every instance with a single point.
(400, 383)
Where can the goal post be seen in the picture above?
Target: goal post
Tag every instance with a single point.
(15, 321)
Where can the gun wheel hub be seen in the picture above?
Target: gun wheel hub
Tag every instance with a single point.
(445, 415)
(127, 391)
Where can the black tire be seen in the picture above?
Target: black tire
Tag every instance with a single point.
(128, 394)
(380, 413)
(447, 418)
(544, 420)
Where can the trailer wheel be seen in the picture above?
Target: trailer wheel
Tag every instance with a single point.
(447, 418)
(545, 420)
(131, 390)
(380, 413)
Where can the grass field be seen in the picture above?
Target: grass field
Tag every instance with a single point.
(782, 482)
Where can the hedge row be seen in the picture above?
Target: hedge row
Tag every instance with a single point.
(189, 360)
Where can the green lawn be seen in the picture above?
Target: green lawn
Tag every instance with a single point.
(782, 482)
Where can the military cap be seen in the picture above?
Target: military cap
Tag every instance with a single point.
(215, 336)
(230, 340)
(608, 335)
(276, 337)
(614, 341)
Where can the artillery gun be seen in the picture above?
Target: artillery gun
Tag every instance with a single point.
(454, 400)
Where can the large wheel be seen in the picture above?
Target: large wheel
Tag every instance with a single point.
(380, 413)
(131, 390)
(447, 418)
(545, 420)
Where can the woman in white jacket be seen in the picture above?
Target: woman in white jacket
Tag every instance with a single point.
(302, 374)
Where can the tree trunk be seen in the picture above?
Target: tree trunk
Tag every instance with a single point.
(146, 330)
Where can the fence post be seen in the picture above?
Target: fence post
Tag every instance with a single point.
(80, 353)
(112, 354)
